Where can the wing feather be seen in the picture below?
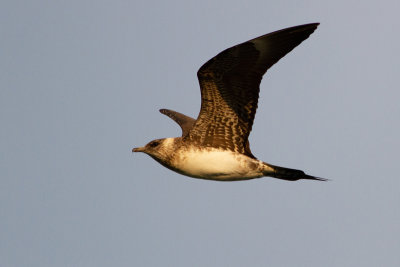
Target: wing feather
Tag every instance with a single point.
(229, 85)
(185, 122)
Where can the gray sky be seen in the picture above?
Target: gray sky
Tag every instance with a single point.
(81, 83)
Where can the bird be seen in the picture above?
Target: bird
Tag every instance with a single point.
(215, 146)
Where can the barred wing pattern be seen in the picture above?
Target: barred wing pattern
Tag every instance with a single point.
(229, 85)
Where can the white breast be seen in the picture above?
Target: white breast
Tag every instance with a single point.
(216, 164)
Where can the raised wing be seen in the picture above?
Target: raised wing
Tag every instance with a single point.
(185, 122)
(229, 85)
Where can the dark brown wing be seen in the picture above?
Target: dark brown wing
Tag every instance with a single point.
(185, 122)
(229, 85)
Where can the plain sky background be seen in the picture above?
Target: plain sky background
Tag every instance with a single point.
(81, 83)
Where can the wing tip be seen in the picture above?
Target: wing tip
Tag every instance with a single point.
(163, 111)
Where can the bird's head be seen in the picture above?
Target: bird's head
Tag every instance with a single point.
(159, 149)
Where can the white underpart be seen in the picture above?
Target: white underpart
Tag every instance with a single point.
(217, 164)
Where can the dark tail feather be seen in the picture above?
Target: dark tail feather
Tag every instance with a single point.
(290, 174)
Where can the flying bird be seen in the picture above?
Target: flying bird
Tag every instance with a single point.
(215, 146)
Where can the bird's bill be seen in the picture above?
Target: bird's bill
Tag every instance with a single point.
(138, 149)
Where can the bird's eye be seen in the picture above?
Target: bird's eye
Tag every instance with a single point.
(154, 144)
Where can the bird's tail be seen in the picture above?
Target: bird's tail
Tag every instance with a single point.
(288, 174)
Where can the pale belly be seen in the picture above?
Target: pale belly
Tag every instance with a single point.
(217, 165)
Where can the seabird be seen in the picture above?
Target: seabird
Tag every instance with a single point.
(215, 146)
